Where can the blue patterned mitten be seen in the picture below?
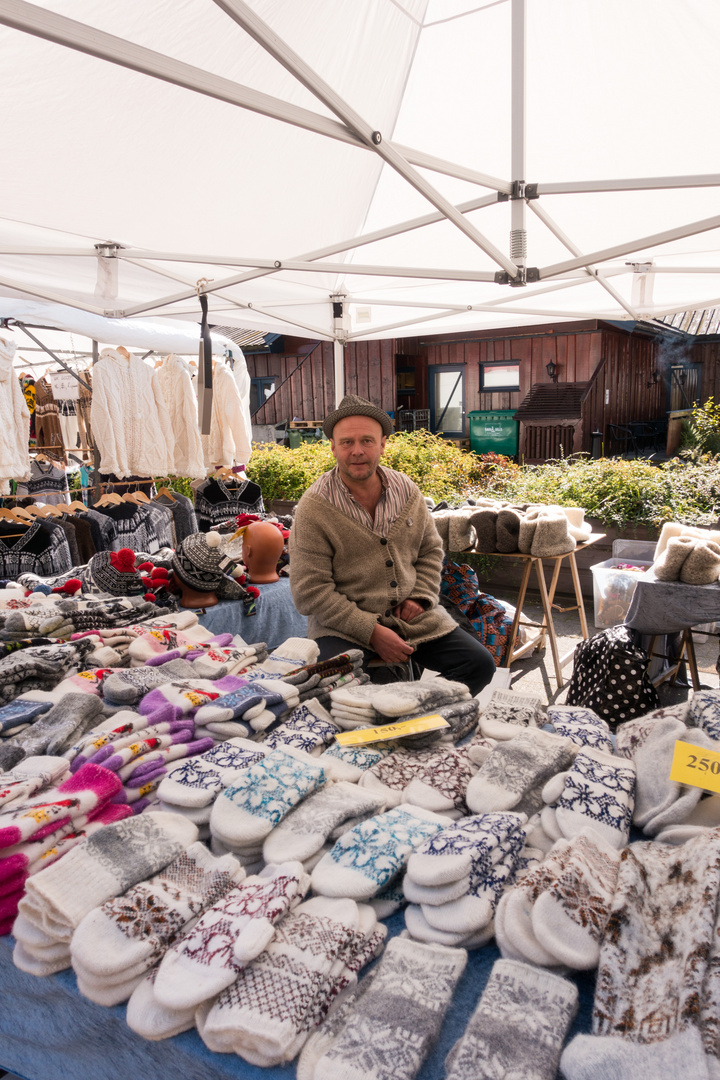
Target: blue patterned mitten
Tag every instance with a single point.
(599, 790)
(197, 781)
(583, 726)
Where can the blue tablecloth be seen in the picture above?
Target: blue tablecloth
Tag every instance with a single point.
(48, 1031)
(275, 620)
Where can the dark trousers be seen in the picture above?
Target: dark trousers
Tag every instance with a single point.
(458, 656)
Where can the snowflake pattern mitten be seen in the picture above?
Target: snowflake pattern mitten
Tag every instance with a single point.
(515, 772)
(507, 712)
(197, 781)
(582, 726)
(598, 790)
(306, 828)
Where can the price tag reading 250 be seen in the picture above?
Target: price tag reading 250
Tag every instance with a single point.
(695, 766)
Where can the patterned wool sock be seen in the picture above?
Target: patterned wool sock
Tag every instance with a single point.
(202, 963)
(139, 927)
(214, 662)
(60, 727)
(514, 774)
(246, 702)
(323, 1037)
(352, 658)
(31, 775)
(89, 789)
(570, 917)
(599, 790)
(449, 856)
(306, 828)
(411, 991)
(199, 780)
(365, 859)
(414, 699)
(103, 866)
(309, 727)
(128, 686)
(261, 796)
(262, 1015)
(582, 726)
(475, 910)
(292, 654)
(507, 712)
(518, 1027)
(462, 718)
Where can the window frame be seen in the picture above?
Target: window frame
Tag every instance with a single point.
(506, 389)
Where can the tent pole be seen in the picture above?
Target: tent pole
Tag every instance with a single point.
(339, 370)
(518, 233)
(96, 452)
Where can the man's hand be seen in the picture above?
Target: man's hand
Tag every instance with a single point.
(389, 646)
(408, 610)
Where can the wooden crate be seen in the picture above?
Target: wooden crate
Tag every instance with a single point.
(305, 425)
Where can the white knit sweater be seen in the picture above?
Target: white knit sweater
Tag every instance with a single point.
(14, 420)
(228, 443)
(179, 397)
(129, 420)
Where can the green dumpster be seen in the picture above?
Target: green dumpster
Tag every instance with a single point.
(493, 431)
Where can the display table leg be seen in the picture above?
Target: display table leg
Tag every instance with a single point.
(518, 610)
(548, 621)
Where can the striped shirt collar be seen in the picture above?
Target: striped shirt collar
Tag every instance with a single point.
(396, 490)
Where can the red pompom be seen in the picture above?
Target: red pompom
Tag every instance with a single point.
(123, 560)
(145, 566)
(150, 597)
(70, 587)
(253, 591)
(159, 572)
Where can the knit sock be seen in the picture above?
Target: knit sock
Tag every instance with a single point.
(411, 991)
(261, 1016)
(488, 881)
(306, 828)
(31, 775)
(105, 865)
(514, 773)
(217, 661)
(128, 686)
(89, 788)
(197, 781)
(507, 712)
(323, 667)
(449, 856)
(367, 857)
(203, 963)
(598, 790)
(570, 917)
(139, 927)
(262, 795)
(519, 1025)
(175, 699)
(141, 768)
(292, 654)
(309, 727)
(591, 1057)
(72, 716)
(245, 702)
(582, 726)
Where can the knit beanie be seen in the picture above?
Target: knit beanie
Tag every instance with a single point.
(197, 564)
(114, 572)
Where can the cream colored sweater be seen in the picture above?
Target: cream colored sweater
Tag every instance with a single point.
(346, 578)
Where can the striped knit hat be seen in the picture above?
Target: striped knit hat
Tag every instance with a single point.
(197, 564)
(114, 572)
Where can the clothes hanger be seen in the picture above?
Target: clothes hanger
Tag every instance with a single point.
(21, 512)
(129, 497)
(165, 491)
(111, 498)
(63, 508)
(141, 497)
(8, 515)
(77, 505)
(33, 511)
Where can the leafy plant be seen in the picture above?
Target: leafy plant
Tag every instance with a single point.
(701, 433)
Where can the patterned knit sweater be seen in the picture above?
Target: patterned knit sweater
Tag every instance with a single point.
(346, 578)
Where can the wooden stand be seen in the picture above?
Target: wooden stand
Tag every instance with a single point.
(687, 652)
(547, 595)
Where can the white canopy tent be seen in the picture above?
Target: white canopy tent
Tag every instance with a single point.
(361, 169)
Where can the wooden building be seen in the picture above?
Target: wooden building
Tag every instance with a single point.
(562, 382)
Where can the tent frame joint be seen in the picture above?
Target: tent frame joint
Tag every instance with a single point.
(108, 249)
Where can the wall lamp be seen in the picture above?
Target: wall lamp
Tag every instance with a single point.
(551, 368)
(654, 378)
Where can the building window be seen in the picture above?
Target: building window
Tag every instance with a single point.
(260, 391)
(499, 375)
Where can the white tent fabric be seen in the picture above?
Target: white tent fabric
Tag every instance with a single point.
(278, 154)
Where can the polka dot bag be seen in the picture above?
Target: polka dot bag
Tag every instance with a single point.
(610, 676)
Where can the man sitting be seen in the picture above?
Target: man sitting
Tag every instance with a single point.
(365, 559)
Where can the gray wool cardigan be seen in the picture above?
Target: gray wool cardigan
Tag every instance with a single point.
(346, 578)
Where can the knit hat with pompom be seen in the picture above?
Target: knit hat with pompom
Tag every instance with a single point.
(196, 563)
(114, 572)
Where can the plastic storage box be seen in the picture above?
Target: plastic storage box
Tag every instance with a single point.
(613, 589)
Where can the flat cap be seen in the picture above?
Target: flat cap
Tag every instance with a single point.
(351, 405)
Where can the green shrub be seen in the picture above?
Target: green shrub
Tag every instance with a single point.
(701, 433)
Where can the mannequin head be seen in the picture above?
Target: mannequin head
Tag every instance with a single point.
(262, 547)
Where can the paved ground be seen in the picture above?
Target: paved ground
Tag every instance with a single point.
(535, 672)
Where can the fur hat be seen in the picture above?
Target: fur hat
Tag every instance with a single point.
(668, 565)
(508, 529)
(552, 536)
(484, 521)
(352, 405)
(196, 563)
(702, 565)
(114, 572)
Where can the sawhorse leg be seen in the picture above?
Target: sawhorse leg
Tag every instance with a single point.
(518, 611)
(547, 615)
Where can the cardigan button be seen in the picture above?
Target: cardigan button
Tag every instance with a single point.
(383, 540)
(388, 613)
(393, 584)
(389, 562)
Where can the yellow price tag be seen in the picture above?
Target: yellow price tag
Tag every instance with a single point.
(418, 724)
(695, 766)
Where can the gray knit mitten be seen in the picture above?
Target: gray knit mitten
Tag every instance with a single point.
(59, 728)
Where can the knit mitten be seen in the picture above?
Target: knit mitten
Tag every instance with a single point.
(515, 772)
(203, 962)
(153, 1021)
(367, 857)
(412, 699)
(508, 712)
(292, 654)
(441, 780)
(411, 991)
(197, 781)
(137, 929)
(105, 865)
(669, 564)
(570, 917)
(350, 762)
(263, 1015)
(513, 915)
(29, 776)
(306, 828)
(704, 712)
(89, 789)
(260, 797)
(702, 564)
(309, 727)
(581, 726)
(518, 1027)
(21, 712)
(391, 776)
(60, 727)
(449, 856)
(599, 790)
